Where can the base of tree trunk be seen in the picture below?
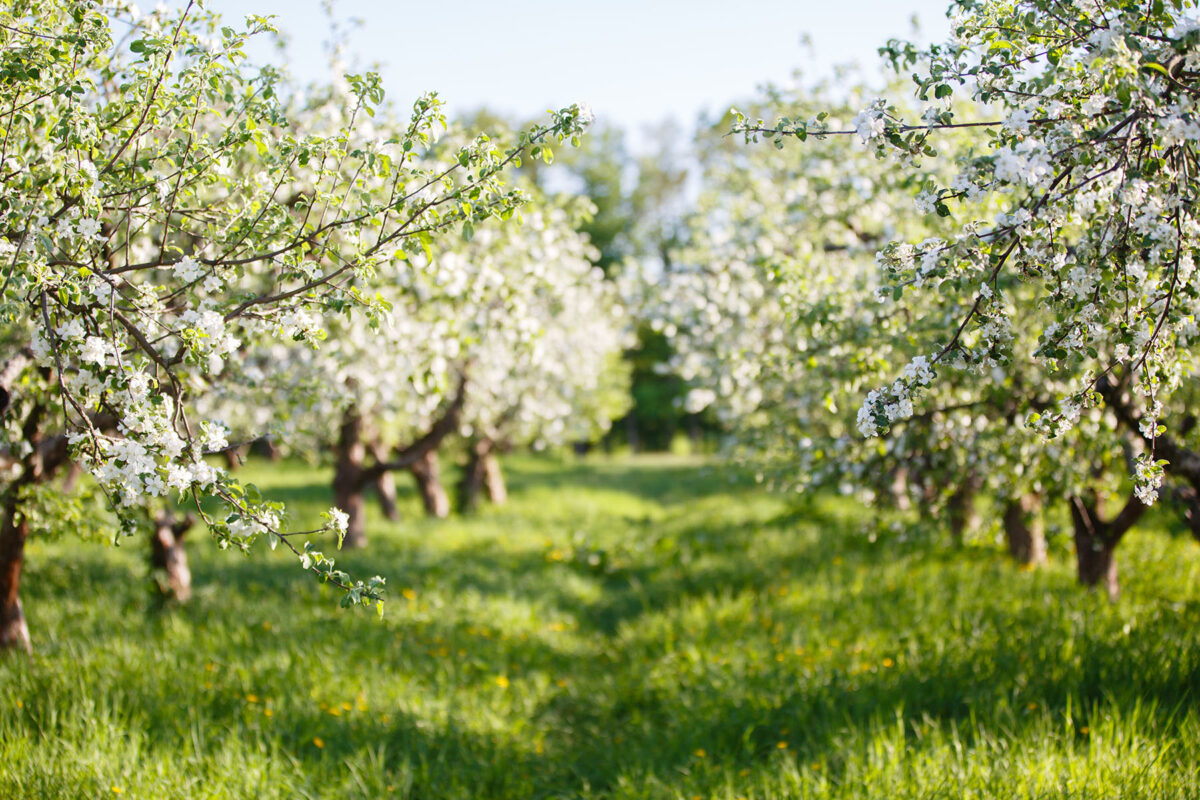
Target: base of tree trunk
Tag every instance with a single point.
(348, 480)
(473, 479)
(493, 478)
(899, 489)
(1096, 565)
(385, 490)
(235, 457)
(1096, 540)
(426, 472)
(168, 558)
(14, 633)
(961, 514)
(1025, 531)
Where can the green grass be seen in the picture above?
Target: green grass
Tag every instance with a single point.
(648, 628)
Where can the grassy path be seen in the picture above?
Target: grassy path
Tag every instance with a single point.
(649, 628)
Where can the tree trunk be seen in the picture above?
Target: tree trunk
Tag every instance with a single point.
(385, 490)
(385, 486)
(427, 474)
(71, 481)
(473, 477)
(493, 478)
(14, 529)
(1096, 563)
(961, 514)
(1025, 530)
(265, 446)
(235, 456)
(168, 558)
(631, 432)
(348, 479)
(899, 489)
(1096, 541)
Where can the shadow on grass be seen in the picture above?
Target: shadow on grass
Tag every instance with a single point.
(995, 666)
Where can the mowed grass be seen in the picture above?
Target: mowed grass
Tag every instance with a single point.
(647, 628)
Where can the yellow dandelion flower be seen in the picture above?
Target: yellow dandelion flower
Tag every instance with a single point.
(319, 742)
(888, 663)
(502, 681)
(251, 698)
(781, 746)
(700, 752)
(117, 789)
(408, 594)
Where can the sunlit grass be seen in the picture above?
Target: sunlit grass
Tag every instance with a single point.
(624, 629)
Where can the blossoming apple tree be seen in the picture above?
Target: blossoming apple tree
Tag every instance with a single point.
(511, 338)
(1090, 153)
(162, 206)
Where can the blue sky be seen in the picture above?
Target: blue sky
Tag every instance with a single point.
(634, 62)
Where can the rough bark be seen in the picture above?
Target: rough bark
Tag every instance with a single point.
(961, 513)
(43, 458)
(168, 558)
(14, 633)
(1096, 541)
(427, 473)
(348, 478)
(1024, 530)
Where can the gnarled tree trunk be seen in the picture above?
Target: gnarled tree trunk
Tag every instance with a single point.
(168, 558)
(14, 633)
(427, 474)
(1096, 541)
(39, 464)
(348, 483)
(1024, 529)
(351, 476)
